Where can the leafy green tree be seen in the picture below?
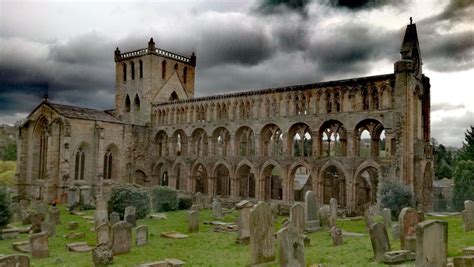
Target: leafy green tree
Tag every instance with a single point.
(5, 211)
(463, 183)
(467, 150)
(9, 153)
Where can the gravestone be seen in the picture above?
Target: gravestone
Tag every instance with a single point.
(333, 212)
(193, 221)
(114, 218)
(121, 238)
(39, 245)
(40, 207)
(324, 214)
(130, 215)
(387, 218)
(49, 228)
(142, 235)
(199, 199)
(431, 243)
(407, 221)
(85, 195)
(311, 209)
(297, 217)
(10, 233)
(336, 235)
(468, 215)
(379, 240)
(103, 234)
(15, 260)
(243, 221)
(291, 247)
(55, 215)
(216, 208)
(102, 255)
(36, 220)
(262, 238)
(72, 196)
(72, 225)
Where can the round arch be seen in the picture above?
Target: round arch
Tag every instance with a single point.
(179, 141)
(200, 177)
(332, 139)
(332, 179)
(300, 140)
(244, 141)
(367, 178)
(300, 176)
(246, 182)
(368, 134)
(271, 175)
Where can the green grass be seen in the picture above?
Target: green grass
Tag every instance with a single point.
(208, 248)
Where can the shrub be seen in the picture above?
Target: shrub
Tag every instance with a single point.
(184, 202)
(164, 198)
(5, 211)
(463, 183)
(125, 195)
(395, 196)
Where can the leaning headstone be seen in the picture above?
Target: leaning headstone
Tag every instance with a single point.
(262, 239)
(103, 234)
(387, 218)
(243, 221)
(130, 215)
(102, 255)
(336, 235)
(381, 246)
(407, 220)
(15, 260)
(193, 221)
(78, 247)
(121, 238)
(312, 223)
(333, 212)
(216, 208)
(72, 196)
(468, 215)
(49, 228)
(432, 243)
(55, 215)
(39, 245)
(297, 217)
(142, 235)
(324, 214)
(291, 247)
(85, 195)
(114, 218)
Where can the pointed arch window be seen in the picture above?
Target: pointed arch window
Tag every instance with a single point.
(43, 150)
(80, 164)
(132, 69)
(140, 66)
(176, 66)
(365, 100)
(163, 69)
(136, 103)
(108, 164)
(185, 74)
(127, 104)
(124, 69)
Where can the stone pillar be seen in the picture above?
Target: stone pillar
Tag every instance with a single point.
(258, 145)
(350, 149)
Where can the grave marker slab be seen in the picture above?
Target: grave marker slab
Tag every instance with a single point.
(407, 220)
(243, 221)
(333, 212)
(431, 243)
(15, 260)
(55, 215)
(102, 255)
(387, 218)
(262, 238)
(121, 238)
(103, 234)
(216, 208)
(311, 209)
(142, 235)
(39, 245)
(336, 235)
(130, 215)
(193, 221)
(291, 247)
(114, 218)
(297, 217)
(468, 215)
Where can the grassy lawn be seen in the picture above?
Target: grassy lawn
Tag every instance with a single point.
(208, 248)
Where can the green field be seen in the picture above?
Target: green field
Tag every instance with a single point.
(208, 248)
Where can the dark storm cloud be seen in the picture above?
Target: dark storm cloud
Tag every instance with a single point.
(362, 4)
(455, 11)
(281, 6)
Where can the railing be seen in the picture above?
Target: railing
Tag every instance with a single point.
(172, 55)
(158, 51)
(135, 53)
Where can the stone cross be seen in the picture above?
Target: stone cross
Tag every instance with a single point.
(297, 217)
(407, 220)
(121, 238)
(262, 238)
(291, 247)
(193, 221)
(216, 208)
(333, 212)
(468, 215)
(103, 234)
(130, 215)
(114, 218)
(142, 235)
(336, 235)
(312, 223)
(39, 245)
(243, 221)
(432, 243)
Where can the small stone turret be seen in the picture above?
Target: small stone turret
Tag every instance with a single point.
(151, 46)
(117, 54)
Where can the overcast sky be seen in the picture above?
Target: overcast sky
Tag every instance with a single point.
(68, 47)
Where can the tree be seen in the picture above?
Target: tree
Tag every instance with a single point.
(463, 183)
(467, 150)
(9, 153)
(5, 211)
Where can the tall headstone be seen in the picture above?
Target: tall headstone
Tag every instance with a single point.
(193, 221)
(36, 220)
(39, 245)
(468, 215)
(114, 218)
(324, 214)
(243, 221)
(15, 260)
(49, 228)
(130, 215)
(291, 247)
(72, 196)
(103, 234)
(380, 242)
(387, 218)
(336, 235)
(216, 208)
(311, 208)
(85, 195)
(262, 238)
(142, 235)
(297, 217)
(333, 212)
(121, 238)
(431, 243)
(55, 215)
(407, 220)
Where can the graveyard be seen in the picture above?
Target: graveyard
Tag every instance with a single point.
(215, 244)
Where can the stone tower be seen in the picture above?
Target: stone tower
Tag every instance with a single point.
(150, 75)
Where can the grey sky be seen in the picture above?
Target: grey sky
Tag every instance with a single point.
(240, 45)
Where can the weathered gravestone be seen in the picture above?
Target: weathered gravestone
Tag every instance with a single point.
(49, 228)
(85, 195)
(103, 234)
(297, 217)
(243, 221)
(311, 209)
(387, 218)
(381, 246)
(40, 207)
(114, 218)
(36, 220)
(468, 215)
(216, 208)
(130, 215)
(193, 221)
(39, 245)
(15, 260)
(324, 214)
(72, 196)
(55, 215)
(291, 247)
(142, 235)
(333, 212)
(431, 243)
(10, 233)
(407, 221)
(121, 238)
(262, 238)
(336, 235)
(102, 255)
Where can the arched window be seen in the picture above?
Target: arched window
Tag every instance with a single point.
(375, 99)
(132, 68)
(140, 66)
(365, 100)
(124, 67)
(337, 102)
(136, 103)
(176, 66)
(108, 164)
(185, 74)
(80, 164)
(328, 103)
(163, 69)
(43, 150)
(127, 104)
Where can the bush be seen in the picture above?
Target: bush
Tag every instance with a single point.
(5, 211)
(125, 195)
(395, 196)
(10, 152)
(463, 183)
(164, 198)
(185, 202)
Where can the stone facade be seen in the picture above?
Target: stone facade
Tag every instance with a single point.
(347, 135)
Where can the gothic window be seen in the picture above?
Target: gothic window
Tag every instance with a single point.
(369, 138)
(337, 102)
(332, 139)
(163, 69)
(136, 103)
(132, 68)
(140, 66)
(80, 164)
(176, 66)
(185, 74)
(43, 142)
(124, 67)
(302, 142)
(108, 164)
(173, 96)
(375, 99)
(272, 141)
(328, 103)
(127, 104)
(365, 100)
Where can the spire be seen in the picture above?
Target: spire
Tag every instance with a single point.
(117, 54)
(410, 49)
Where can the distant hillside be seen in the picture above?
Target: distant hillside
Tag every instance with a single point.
(7, 136)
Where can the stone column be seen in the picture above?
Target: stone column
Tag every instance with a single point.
(350, 149)
(99, 161)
